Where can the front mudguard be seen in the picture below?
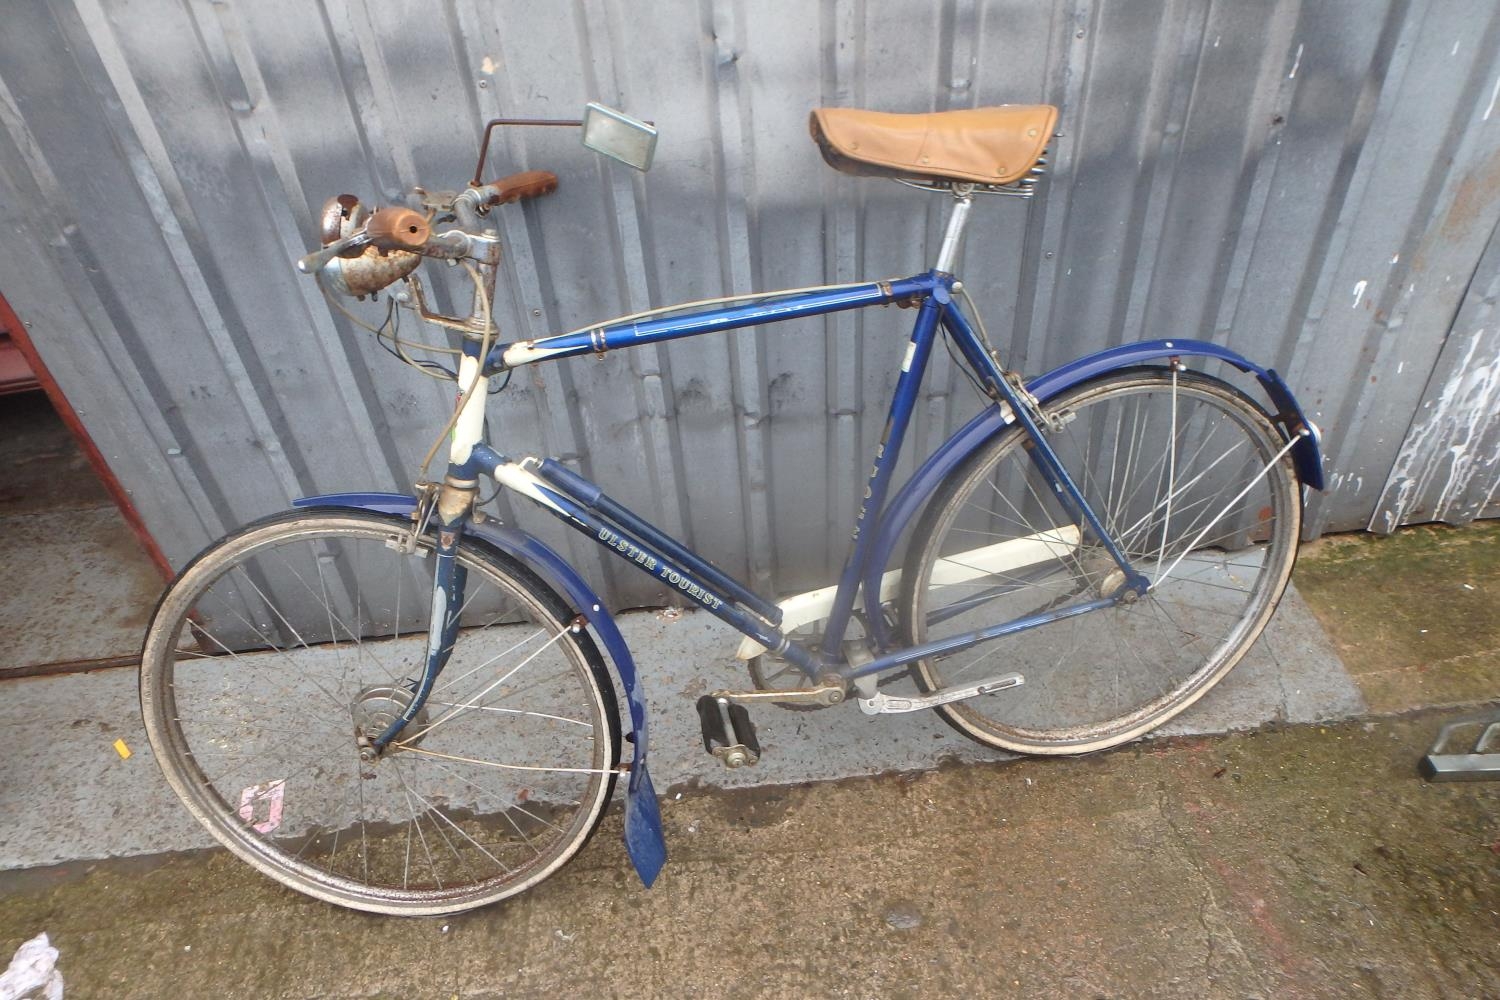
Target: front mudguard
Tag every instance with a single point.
(643, 831)
(1306, 451)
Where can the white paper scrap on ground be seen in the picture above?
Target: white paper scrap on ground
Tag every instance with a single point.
(32, 974)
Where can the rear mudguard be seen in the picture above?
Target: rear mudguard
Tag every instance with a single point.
(643, 832)
(1306, 453)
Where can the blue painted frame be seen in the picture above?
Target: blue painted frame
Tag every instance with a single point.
(1306, 451)
(583, 505)
(878, 526)
(772, 308)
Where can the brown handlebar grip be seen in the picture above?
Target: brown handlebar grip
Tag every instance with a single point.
(398, 229)
(527, 184)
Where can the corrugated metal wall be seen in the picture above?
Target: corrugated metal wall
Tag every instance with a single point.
(1316, 184)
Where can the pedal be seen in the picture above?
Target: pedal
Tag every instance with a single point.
(728, 733)
(1480, 763)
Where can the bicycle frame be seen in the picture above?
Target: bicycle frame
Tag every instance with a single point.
(586, 508)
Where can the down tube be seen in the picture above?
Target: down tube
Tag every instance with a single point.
(642, 555)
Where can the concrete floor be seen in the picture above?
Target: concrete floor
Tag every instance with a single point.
(1300, 860)
(66, 553)
(70, 796)
(1297, 862)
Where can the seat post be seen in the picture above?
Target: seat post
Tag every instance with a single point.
(962, 197)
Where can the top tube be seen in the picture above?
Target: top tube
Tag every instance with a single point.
(773, 308)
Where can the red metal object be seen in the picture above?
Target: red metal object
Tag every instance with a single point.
(27, 351)
(15, 374)
(60, 667)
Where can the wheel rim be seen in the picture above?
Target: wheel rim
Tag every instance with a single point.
(1106, 676)
(273, 661)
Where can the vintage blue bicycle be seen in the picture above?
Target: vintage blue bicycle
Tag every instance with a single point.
(398, 704)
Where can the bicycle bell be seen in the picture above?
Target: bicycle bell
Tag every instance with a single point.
(359, 272)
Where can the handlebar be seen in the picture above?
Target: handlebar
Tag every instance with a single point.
(404, 236)
(389, 229)
(527, 184)
(319, 259)
(398, 229)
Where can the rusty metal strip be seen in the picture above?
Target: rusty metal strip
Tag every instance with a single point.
(70, 667)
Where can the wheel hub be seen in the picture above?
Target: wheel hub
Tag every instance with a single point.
(1096, 570)
(376, 708)
(1103, 576)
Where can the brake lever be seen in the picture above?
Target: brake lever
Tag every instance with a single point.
(318, 259)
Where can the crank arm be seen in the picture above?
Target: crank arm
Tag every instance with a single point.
(883, 704)
(824, 694)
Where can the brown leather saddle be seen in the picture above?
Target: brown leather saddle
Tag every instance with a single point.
(977, 145)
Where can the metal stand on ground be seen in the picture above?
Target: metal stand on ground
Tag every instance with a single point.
(1479, 764)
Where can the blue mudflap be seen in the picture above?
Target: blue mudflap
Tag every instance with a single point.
(643, 833)
(643, 836)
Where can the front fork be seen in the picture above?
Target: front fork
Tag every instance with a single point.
(450, 515)
(454, 502)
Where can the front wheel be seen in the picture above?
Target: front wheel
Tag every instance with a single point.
(280, 650)
(1182, 470)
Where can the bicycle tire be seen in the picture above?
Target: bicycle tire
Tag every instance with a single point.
(278, 645)
(1105, 677)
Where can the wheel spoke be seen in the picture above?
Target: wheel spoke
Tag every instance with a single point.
(262, 714)
(1178, 467)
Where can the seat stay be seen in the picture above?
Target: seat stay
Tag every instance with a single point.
(909, 500)
(1042, 453)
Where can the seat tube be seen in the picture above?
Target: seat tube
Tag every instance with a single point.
(902, 405)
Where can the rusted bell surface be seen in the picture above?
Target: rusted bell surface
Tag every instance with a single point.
(359, 272)
(371, 271)
(341, 217)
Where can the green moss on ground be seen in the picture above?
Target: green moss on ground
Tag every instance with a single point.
(1415, 615)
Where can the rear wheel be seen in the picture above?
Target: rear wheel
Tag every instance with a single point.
(279, 651)
(1176, 467)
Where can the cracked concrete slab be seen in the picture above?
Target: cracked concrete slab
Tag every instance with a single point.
(70, 796)
(1305, 862)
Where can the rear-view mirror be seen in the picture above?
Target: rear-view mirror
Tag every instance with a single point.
(618, 136)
